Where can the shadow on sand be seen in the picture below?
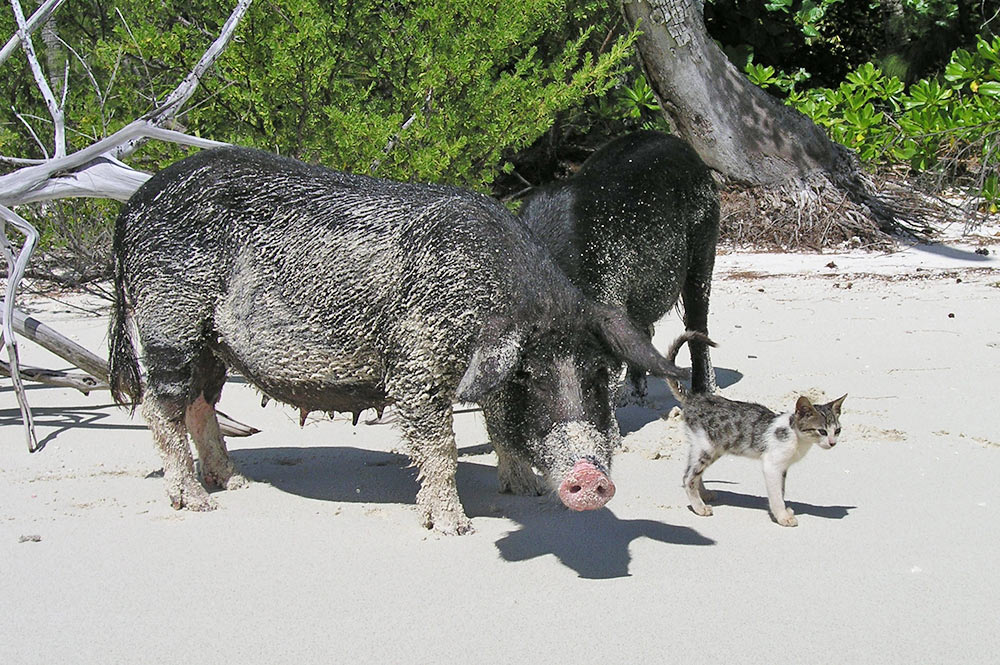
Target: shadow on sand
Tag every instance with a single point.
(955, 253)
(594, 544)
(63, 419)
(724, 498)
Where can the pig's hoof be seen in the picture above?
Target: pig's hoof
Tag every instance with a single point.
(237, 481)
(225, 478)
(191, 495)
(449, 524)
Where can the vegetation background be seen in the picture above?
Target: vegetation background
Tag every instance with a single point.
(494, 95)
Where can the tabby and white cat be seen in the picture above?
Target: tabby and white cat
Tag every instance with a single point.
(716, 426)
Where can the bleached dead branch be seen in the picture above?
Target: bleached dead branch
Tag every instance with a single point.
(41, 15)
(95, 171)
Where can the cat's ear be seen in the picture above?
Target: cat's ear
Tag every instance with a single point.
(804, 408)
(835, 404)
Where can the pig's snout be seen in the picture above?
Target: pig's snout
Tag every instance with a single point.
(586, 487)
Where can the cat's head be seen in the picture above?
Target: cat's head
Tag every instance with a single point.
(818, 423)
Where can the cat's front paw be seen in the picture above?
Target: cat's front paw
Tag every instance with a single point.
(787, 518)
(703, 510)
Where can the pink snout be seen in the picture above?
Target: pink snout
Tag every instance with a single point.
(586, 487)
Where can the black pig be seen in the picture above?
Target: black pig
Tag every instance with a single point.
(337, 292)
(635, 228)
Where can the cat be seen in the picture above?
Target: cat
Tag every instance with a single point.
(716, 426)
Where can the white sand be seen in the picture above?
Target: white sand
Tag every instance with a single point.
(322, 559)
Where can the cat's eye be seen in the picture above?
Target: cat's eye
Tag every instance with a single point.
(837, 432)
(821, 432)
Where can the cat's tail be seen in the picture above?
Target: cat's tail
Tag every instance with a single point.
(679, 391)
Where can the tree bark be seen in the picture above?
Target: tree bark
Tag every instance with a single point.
(737, 128)
(742, 132)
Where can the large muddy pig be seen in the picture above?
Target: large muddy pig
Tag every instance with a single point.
(337, 292)
(636, 229)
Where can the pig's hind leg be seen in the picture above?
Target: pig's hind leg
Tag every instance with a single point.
(217, 468)
(183, 382)
(695, 295)
(164, 407)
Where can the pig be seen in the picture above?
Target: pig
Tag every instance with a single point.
(337, 292)
(635, 229)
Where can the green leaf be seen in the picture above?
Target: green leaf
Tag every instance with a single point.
(989, 50)
(990, 89)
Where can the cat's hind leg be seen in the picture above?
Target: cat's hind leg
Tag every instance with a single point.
(701, 454)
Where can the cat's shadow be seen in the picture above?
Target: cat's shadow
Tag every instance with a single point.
(753, 502)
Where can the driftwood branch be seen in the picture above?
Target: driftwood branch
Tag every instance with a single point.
(31, 328)
(96, 367)
(171, 106)
(53, 377)
(40, 16)
(16, 265)
(54, 106)
(95, 171)
(90, 172)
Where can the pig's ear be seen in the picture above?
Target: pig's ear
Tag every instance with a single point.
(492, 361)
(630, 345)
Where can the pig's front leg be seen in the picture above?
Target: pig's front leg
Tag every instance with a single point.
(426, 422)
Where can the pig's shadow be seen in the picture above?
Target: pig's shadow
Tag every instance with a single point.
(659, 401)
(594, 544)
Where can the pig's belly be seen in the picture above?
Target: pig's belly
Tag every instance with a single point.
(308, 375)
(291, 357)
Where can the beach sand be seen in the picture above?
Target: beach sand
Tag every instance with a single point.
(322, 558)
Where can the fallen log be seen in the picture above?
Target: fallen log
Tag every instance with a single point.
(31, 328)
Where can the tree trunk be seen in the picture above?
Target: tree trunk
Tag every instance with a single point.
(752, 139)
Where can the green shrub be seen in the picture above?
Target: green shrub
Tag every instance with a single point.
(423, 90)
(335, 82)
(951, 123)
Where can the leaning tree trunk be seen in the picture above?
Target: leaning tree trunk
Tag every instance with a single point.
(791, 183)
